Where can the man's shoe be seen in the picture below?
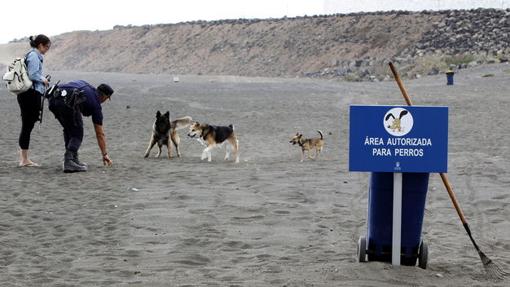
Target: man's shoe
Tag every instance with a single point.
(76, 159)
(70, 165)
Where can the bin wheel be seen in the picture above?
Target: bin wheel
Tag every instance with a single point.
(362, 249)
(423, 255)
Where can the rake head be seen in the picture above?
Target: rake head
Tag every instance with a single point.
(494, 272)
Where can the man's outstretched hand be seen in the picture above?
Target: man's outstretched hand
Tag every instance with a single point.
(107, 161)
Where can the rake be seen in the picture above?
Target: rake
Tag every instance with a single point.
(492, 269)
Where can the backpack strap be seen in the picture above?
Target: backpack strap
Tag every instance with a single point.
(26, 56)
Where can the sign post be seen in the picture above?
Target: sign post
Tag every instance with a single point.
(397, 218)
(398, 139)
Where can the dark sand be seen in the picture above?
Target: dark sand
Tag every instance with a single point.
(267, 221)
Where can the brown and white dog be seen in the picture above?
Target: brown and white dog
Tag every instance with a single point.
(308, 144)
(213, 136)
(164, 130)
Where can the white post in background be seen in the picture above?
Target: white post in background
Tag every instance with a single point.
(397, 218)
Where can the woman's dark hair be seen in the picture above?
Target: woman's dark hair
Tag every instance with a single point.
(39, 39)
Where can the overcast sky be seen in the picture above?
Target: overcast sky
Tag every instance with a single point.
(52, 17)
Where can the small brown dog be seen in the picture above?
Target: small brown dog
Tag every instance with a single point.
(308, 144)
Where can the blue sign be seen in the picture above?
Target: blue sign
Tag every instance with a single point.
(398, 139)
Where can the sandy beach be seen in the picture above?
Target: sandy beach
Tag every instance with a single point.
(267, 221)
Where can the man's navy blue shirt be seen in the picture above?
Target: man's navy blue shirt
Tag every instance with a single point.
(92, 106)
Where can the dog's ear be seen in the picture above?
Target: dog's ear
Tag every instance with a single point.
(158, 114)
(167, 114)
(297, 134)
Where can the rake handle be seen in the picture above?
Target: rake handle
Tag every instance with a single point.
(446, 182)
(400, 85)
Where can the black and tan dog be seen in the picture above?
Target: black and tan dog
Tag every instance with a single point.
(164, 130)
(213, 136)
(308, 144)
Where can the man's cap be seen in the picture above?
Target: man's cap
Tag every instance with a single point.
(105, 89)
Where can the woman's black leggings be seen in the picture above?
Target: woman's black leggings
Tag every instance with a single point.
(30, 105)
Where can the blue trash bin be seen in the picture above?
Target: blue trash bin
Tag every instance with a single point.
(449, 78)
(380, 216)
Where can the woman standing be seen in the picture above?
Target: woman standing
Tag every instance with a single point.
(30, 101)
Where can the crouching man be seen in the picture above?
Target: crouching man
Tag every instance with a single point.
(68, 102)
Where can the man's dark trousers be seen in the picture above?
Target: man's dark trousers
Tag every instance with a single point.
(72, 122)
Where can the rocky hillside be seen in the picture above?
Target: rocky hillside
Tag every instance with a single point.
(351, 46)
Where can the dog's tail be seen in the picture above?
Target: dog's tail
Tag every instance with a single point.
(181, 123)
(322, 137)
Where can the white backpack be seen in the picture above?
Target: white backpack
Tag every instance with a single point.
(16, 77)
